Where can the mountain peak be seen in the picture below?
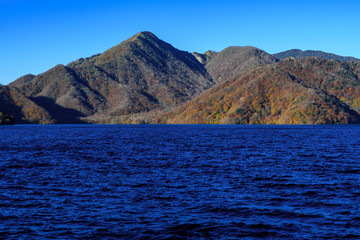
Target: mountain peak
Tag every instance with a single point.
(233, 61)
(146, 34)
(141, 36)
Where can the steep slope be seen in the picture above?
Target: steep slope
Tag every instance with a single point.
(297, 53)
(140, 74)
(233, 61)
(306, 91)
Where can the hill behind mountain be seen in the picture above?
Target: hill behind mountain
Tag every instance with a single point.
(297, 53)
(233, 61)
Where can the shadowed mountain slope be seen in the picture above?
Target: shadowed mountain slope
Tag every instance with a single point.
(14, 103)
(297, 53)
(6, 119)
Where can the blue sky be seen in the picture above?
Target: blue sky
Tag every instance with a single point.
(39, 34)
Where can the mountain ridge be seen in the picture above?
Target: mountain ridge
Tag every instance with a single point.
(146, 80)
(140, 74)
(297, 53)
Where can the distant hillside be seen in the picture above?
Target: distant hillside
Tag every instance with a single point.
(297, 53)
(234, 61)
(305, 91)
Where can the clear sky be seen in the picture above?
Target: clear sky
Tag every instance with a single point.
(36, 35)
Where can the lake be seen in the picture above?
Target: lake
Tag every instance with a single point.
(179, 182)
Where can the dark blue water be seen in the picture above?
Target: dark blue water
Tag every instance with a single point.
(179, 182)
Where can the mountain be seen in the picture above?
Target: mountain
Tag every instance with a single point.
(141, 74)
(146, 80)
(234, 61)
(297, 53)
(306, 91)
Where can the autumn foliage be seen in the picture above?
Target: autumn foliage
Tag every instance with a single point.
(306, 91)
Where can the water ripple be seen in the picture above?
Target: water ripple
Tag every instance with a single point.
(179, 182)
